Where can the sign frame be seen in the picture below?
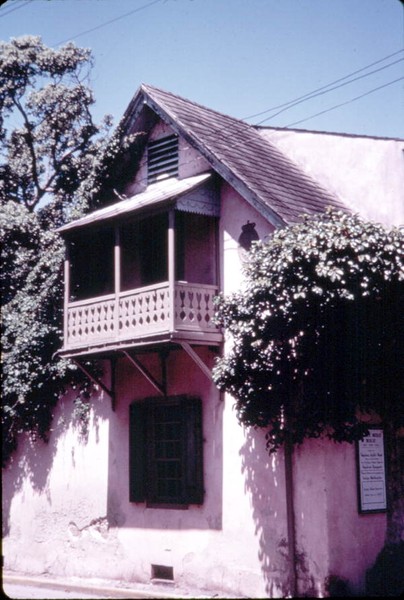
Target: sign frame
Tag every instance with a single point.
(371, 468)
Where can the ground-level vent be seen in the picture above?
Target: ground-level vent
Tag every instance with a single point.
(162, 572)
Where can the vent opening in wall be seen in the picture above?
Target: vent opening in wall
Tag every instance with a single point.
(162, 159)
(162, 572)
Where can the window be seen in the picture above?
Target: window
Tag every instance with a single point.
(166, 466)
(162, 159)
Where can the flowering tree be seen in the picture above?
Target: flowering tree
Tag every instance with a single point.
(54, 162)
(318, 336)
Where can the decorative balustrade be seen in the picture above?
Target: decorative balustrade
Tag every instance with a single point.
(144, 311)
(193, 306)
(90, 321)
(139, 314)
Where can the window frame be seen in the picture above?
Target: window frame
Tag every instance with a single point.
(143, 478)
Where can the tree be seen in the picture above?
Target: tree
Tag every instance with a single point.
(318, 336)
(54, 164)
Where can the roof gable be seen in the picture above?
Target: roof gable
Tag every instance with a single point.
(259, 171)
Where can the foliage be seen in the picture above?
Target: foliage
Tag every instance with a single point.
(318, 330)
(53, 163)
(81, 414)
(386, 576)
(30, 323)
(337, 587)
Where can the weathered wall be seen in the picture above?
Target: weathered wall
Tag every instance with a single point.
(56, 493)
(235, 213)
(332, 538)
(66, 509)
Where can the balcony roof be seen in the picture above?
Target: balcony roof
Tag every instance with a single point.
(155, 195)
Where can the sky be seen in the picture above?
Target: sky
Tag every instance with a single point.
(239, 57)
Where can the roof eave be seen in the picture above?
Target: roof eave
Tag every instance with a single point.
(133, 110)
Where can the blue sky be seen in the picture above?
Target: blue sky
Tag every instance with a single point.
(240, 57)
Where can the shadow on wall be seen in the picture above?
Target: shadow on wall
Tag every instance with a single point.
(287, 572)
(33, 460)
(265, 484)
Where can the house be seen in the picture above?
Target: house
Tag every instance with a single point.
(164, 486)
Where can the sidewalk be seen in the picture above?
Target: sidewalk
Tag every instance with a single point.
(101, 588)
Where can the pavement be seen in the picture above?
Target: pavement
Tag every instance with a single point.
(93, 588)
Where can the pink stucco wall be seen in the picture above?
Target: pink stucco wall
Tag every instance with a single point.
(66, 509)
(366, 173)
(331, 536)
(47, 506)
(235, 213)
(67, 512)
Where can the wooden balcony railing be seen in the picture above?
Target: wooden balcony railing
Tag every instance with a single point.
(140, 314)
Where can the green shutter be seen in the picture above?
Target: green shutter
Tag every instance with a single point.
(141, 467)
(192, 410)
(137, 430)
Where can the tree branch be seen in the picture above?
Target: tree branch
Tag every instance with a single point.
(34, 162)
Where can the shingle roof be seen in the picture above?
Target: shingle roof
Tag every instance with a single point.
(259, 171)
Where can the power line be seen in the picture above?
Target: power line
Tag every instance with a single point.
(15, 8)
(309, 94)
(285, 106)
(330, 89)
(344, 103)
(131, 12)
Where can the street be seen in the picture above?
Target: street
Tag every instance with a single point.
(28, 592)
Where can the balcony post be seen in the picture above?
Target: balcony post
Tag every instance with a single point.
(171, 266)
(66, 294)
(117, 277)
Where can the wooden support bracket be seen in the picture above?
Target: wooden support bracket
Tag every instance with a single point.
(161, 388)
(204, 368)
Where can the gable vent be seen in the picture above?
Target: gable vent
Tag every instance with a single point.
(162, 159)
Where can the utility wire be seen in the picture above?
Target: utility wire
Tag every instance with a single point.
(330, 89)
(285, 106)
(344, 103)
(309, 94)
(4, 14)
(131, 12)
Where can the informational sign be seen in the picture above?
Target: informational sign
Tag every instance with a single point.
(372, 473)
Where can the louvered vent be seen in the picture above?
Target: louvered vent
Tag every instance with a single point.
(162, 159)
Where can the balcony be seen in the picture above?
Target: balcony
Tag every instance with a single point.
(135, 279)
(140, 317)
